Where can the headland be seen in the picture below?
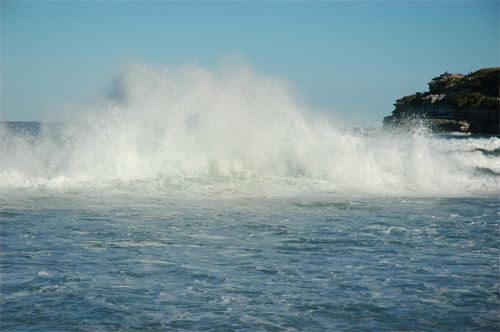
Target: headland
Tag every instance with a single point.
(454, 103)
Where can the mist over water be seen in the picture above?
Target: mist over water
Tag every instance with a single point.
(233, 131)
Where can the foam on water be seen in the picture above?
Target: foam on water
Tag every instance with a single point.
(233, 131)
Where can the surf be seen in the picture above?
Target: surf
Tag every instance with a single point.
(189, 130)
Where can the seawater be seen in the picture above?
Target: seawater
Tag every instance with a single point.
(193, 200)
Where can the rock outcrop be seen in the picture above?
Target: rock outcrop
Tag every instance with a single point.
(454, 103)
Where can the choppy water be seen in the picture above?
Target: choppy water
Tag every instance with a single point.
(254, 264)
(193, 200)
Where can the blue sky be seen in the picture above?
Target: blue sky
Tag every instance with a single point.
(352, 59)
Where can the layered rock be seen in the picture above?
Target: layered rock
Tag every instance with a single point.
(454, 103)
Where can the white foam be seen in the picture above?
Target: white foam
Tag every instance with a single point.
(235, 132)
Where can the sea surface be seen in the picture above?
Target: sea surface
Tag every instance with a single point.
(190, 200)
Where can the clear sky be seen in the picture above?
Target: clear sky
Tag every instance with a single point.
(350, 58)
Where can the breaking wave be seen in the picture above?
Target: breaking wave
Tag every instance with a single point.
(232, 131)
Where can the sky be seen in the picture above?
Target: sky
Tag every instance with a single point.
(350, 59)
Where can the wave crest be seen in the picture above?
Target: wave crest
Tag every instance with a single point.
(233, 131)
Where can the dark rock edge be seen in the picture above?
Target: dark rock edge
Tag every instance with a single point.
(454, 103)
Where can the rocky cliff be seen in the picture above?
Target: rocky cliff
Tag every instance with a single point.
(454, 103)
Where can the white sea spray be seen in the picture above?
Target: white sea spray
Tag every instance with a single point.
(234, 131)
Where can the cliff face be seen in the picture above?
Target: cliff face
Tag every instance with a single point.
(454, 103)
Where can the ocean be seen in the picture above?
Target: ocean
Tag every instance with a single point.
(188, 200)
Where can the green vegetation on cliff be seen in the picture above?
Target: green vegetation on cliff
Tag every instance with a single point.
(407, 99)
(464, 99)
